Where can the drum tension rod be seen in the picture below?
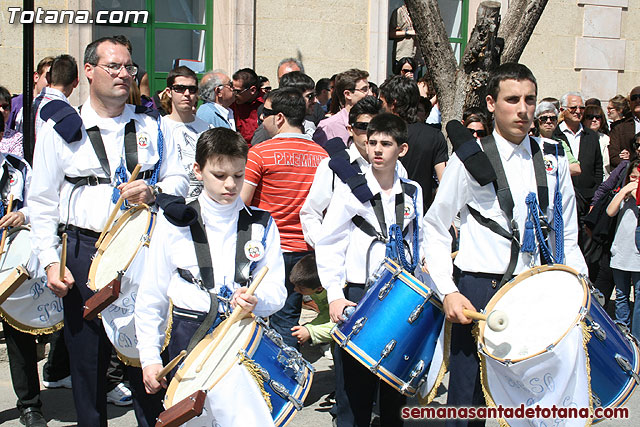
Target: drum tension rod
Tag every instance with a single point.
(415, 373)
(626, 366)
(354, 330)
(386, 351)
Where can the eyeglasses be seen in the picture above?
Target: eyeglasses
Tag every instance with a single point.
(5, 107)
(310, 96)
(634, 97)
(266, 112)
(364, 89)
(114, 69)
(183, 88)
(266, 88)
(240, 91)
(479, 133)
(593, 117)
(575, 107)
(360, 125)
(544, 119)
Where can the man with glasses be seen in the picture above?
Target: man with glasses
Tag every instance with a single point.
(183, 126)
(82, 163)
(350, 87)
(623, 135)
(246, 87)
(217, 93)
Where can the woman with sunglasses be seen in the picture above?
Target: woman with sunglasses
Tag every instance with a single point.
(475, 119)
(546, 116)
(594, 119)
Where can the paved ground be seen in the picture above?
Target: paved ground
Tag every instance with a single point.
(59, 410)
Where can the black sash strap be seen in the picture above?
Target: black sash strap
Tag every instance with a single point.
(378, 210)
(5, 176)
(245, 220)
(203, 256)
(505, 198)
(98, 147)
(130, 147)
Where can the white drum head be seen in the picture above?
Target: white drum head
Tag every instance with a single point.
(33, 308)
(542, 305)
(187, 381)
(120, 246)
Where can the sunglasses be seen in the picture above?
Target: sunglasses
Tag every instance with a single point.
(593, 116)
(479, 133)
(183, 88)
(266, 112)
(266, 89)
(360, 125)
(5, 107)
(634, 97)
(241, 91)
(544, 119)
(575, 107)
(407, 70)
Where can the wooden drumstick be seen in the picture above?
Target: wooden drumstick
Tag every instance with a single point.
(496, 320)
(235, 316)
(63, 256)
(164, 371)
(453, 256)
(119, 203)
(4, 232)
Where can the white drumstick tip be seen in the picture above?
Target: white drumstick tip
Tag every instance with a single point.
(497, 320)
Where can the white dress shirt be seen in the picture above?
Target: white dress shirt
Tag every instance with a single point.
(573, 138)
(482, 250)
(48, 94)
(321, 191)
(90, 206)
(341, 251)
(227, 114)
(171, 248)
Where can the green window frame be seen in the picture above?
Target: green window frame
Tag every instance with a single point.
(157, 79)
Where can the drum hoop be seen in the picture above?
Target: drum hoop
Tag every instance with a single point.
(19, 325)
(135, 361)
(586, 304)
(109, 236)
(419, 287)
(255, 336)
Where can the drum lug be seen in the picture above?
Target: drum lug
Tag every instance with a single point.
(145, 239)
(415, 373)
(386, 351)
(626, 366)
(416, 312)
(597, 403)
(282, 391)
(293, 363)
(385, 289)
(354, 330)
(596, 328)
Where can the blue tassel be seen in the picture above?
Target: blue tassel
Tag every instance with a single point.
(120, 177)
(529, 239)
(558, 221)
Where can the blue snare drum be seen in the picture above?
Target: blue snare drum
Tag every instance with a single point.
(394, 328)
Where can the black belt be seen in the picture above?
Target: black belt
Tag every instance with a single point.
(355, 285)
(92, 181)
(84, 231)
(192, 315)
(496, 276)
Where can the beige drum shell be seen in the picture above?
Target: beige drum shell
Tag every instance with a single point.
(118, 249)
(542, 317)
(32, 308)
(187, 381)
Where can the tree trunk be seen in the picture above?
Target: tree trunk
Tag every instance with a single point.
(463, 86)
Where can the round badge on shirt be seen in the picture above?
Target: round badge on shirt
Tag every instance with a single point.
(409, 211)
(254, 250)
(550, 164)
(143, 141)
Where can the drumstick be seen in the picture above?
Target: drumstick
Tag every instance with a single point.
(235, 316)
(119, 203)
(63, 256)
(164, 371)
(4, 232)
(496, 320)
(453, 256)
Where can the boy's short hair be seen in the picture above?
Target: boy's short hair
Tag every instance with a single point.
(220, 142)
(181, 71)
(305, 273)
(390, 124)
(367, 105)
(64, 71)
(290, 102)
(323, 84)
(298, 80)
(509, 71)
(248, 77)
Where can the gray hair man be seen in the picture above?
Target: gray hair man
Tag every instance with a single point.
(216, 90)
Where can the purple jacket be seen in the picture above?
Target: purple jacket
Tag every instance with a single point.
(611, 182)
(16, 105)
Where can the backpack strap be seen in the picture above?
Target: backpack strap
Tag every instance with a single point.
(247, 218)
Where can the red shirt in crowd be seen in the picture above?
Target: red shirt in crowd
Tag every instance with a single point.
(282, 170)
(246, 116)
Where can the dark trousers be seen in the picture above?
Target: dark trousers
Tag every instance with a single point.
(356, 387)
(88, 345)
(146, 406)
(289, 316)
(57, 365)
(23, 364)
(464, 364)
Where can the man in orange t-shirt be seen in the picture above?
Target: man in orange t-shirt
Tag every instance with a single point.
(278, 177)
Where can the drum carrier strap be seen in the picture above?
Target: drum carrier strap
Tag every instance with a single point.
(244, 267)
(348, 172)
(505, 199)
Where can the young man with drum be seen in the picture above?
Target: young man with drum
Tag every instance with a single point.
(353, 236)
(488, 259)
(205, 275)
(81, 166)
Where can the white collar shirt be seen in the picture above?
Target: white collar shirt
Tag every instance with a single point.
(573, 138)
(47, 95)
(52, 199)
(172, 247)
(226, 114)
(343, 244)
(481, 250)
